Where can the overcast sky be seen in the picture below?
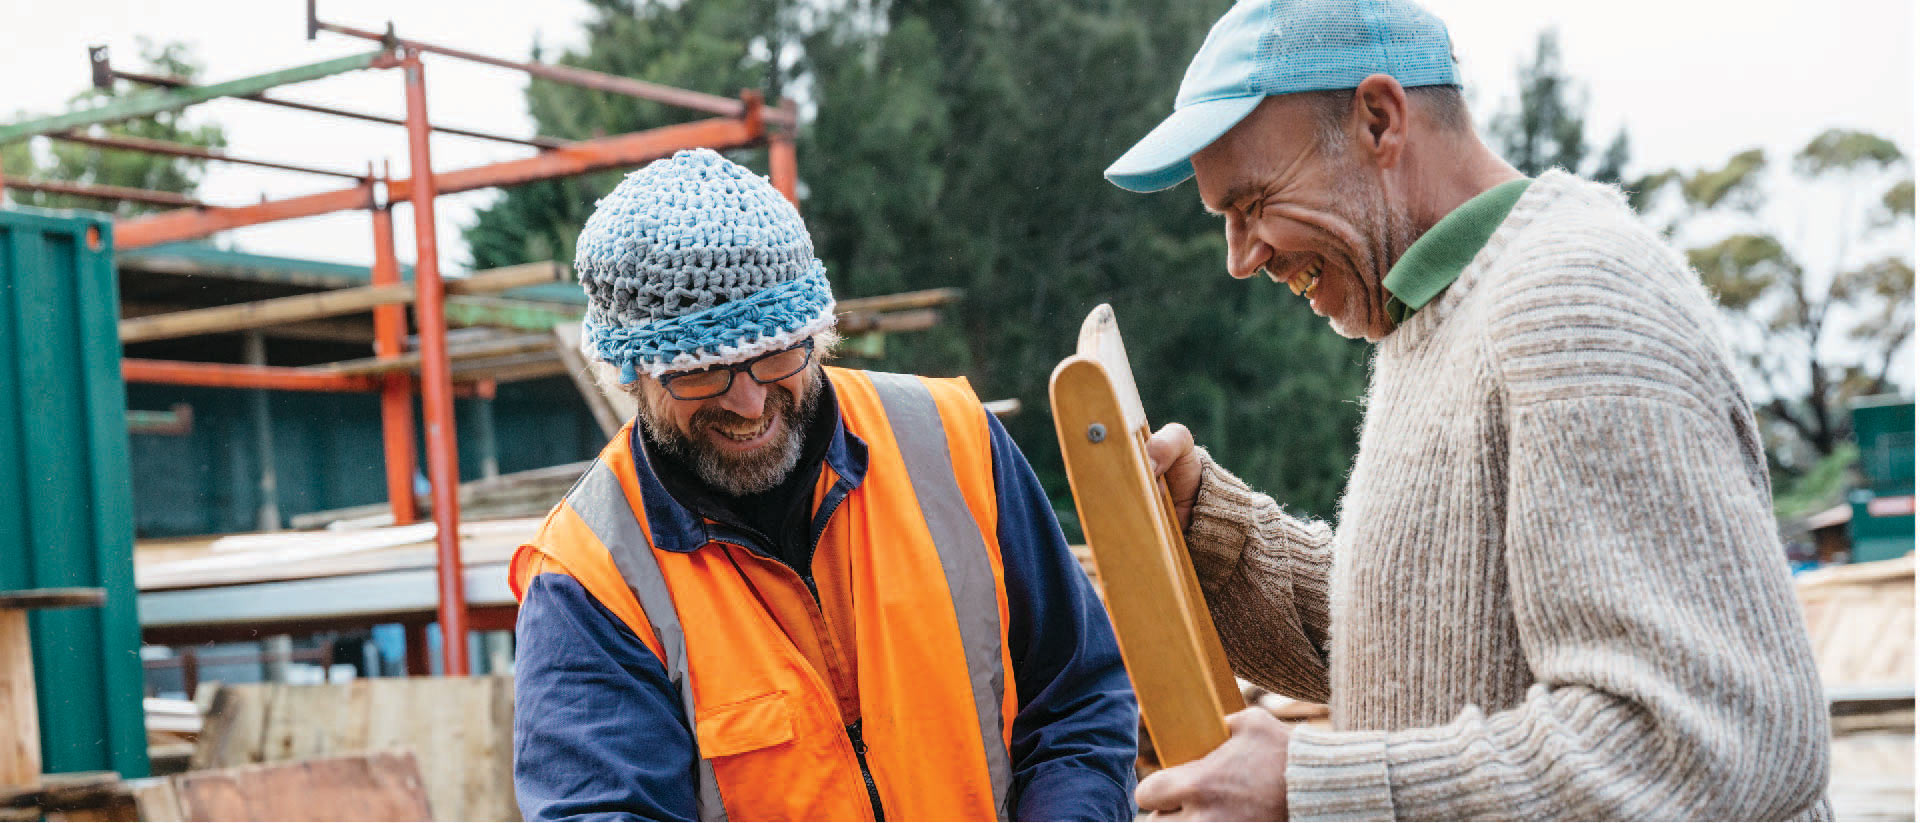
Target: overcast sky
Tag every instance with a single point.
(1693, 82)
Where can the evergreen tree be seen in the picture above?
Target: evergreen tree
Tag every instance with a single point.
(974, 159)
(961, 143)
(1546, 127)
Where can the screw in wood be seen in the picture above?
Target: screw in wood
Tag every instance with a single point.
(1096, 433)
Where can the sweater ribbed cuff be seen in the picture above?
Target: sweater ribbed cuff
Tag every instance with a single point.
(1222, 522)
(1338, 775)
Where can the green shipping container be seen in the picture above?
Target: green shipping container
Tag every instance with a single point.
(66, 505)
(1882, 525)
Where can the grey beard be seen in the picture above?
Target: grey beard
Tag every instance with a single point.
(751, 473)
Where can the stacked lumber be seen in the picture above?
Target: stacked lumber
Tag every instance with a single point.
(183, 563)
(172, 728)
(529, 493)
(459, 729)
(1860, 619)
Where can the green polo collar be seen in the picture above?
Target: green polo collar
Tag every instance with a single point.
(1435, 260)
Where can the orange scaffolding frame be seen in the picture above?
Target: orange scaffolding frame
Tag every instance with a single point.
(737, 122)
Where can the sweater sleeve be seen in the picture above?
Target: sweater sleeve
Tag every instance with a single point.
(1673, 675)
(1074, 736)
(1264, 574)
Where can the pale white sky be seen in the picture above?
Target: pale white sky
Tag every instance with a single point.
(1693, 81)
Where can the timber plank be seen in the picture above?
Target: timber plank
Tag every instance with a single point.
(488, 281)
(19, 708)
(241, 316)
(379, 786)
(332, 303)
(1167, 638)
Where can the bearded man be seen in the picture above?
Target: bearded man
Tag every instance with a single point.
(1555, 589)
(790, 591)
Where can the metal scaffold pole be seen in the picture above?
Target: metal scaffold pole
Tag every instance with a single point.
(436, 378)
(396, 393)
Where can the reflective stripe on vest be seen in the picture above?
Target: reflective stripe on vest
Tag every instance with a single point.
(598, 500)
(915, 421)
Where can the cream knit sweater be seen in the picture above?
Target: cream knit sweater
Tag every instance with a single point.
(1556, 590)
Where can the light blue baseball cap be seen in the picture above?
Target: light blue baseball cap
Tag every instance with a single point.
(1267, 47)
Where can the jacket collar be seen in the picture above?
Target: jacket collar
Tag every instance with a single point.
(676, 528)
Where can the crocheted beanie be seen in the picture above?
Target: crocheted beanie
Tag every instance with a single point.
(693, 262)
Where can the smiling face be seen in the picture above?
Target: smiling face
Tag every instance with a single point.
(742, 442)
(1306, 199)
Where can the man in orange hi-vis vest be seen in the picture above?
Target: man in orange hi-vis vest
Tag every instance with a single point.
(789, 591)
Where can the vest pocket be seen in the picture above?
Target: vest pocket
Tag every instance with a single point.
(744, 725)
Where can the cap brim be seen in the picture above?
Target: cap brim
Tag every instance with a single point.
(1163, 158)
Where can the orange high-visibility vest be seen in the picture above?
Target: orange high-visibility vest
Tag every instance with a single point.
(922, 571)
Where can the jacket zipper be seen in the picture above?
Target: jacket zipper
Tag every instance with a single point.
(853, 731)
(813, 545)
(860, 753)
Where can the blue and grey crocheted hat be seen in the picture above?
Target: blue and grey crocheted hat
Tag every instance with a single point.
(693, 262)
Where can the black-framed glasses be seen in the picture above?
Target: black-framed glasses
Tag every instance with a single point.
(771, 367)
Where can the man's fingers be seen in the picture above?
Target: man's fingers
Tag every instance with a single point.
(1168, 445)
(1164, 790)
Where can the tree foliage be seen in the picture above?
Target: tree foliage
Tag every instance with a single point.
(76, 163)
(1545, 126)
(961, 143)
(1813, 334)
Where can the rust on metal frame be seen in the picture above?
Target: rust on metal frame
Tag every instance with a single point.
(396, 388)
(436, 377)
(744, 121)
(572, 159)
(240, 376)
(246, 376)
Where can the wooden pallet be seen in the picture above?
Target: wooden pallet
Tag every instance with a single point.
(1167, 638)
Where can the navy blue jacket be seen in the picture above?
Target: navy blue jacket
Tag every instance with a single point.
(599, 733)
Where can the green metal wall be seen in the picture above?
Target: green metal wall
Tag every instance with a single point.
(1884, 431)
(66, 506)
(328, 452)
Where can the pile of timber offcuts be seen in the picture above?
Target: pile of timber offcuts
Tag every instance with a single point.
(1860, 617)
(241, 588)
(528, 493)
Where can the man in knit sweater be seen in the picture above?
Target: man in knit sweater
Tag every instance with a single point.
(1555, 590)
